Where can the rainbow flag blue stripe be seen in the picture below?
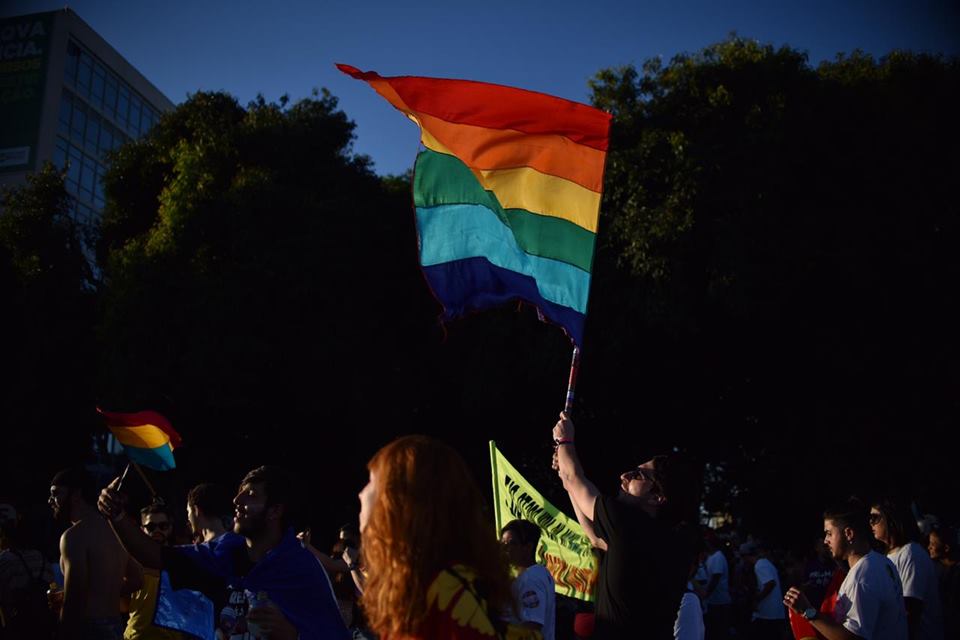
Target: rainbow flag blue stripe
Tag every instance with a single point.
(147, 437)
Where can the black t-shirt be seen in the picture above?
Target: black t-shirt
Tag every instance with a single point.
(642, 575)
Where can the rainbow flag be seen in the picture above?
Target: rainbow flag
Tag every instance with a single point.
(148, 438)
(507, 193)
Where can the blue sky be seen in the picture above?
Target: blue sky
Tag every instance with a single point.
(278, 47)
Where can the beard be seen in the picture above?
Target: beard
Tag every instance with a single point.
(250, 526)
(163, 539)
(61, 515)
(842, 548)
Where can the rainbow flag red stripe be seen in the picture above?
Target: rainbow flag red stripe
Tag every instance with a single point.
(147, 437)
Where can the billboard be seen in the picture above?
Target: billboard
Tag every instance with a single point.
(24, 53)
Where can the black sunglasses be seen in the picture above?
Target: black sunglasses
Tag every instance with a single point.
(153, 526)
(644, 474)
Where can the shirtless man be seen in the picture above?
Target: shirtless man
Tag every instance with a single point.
(96, 569)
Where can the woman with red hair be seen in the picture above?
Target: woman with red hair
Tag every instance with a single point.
(435, 571)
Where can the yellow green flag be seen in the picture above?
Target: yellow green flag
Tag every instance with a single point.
(564, 549)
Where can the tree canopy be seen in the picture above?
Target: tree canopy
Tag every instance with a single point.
(773, 291)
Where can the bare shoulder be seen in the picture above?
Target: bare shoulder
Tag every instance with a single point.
(104, 540)
(73, 541)
(88, 533)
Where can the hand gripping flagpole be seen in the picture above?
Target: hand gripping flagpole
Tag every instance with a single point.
(568, 402)
(572, 381)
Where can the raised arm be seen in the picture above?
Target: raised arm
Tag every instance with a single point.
(583, 493)
(143, 548)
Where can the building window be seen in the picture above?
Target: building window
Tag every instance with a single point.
(60, 155)
(134, 119)
(96, 88)
(66, 107)
(151, 118)
(93, 132)
(75, 161)
(98, 197)
(84, 74)
(110, 97)
(123, 104)
(73, 56)
(87, 177)
(84, 214)
(99, 112)
(79, 121)
(106, 139)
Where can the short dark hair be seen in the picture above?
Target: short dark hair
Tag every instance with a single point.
(77, 478)
(850, 513)
(680, 485)
(280, 489)
(156, 507)
(525, 531)
(949, 537)
(213, 500)
(901, 523)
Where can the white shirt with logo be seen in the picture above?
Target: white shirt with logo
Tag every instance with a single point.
(534, 593)
(870, 600)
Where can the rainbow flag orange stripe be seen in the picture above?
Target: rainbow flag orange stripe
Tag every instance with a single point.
(147, 437)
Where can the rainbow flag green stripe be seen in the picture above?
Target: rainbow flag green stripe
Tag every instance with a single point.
(441, 179)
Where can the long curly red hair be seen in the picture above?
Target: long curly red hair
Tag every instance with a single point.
(427, 515)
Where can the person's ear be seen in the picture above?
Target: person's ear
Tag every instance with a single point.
(848, 535)
(276, 512)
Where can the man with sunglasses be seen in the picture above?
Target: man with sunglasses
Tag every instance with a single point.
(643, 568)
(156, 522)
(870, 601)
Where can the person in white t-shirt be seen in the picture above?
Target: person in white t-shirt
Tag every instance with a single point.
(717, 601)
(895, 527)
(767, 620)
(870, 602)
(533, 589)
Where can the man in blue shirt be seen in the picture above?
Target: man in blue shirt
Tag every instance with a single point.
(262, 582)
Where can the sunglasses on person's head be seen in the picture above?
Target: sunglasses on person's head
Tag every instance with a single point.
(153, 526)
(875, 518)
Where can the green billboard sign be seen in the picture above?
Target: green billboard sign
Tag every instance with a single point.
(24, 53)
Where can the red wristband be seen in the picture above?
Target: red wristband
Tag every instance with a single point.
(560, 442)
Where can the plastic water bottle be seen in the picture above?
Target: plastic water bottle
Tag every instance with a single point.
(255, 601)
